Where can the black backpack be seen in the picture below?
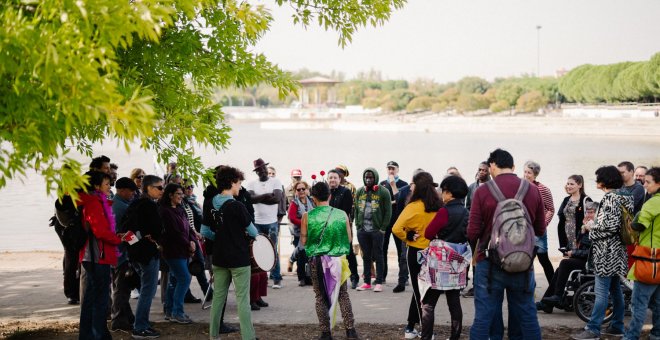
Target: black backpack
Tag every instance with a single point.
(68, 224)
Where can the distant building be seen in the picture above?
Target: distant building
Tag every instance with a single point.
(560, 72)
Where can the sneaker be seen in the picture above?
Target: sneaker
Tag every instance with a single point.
(411, 333)
(135, 294)
(301, 283)
(354, 284)
(612, 332)
(585, 335)
(469, 293)
(378, 288)
(149, 333)
(192, 299)
(364, 286)
(544, 307)
(182, 319)
(168, 317)
(277, 284)
(399, 288)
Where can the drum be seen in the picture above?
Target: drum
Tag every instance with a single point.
(262, 254)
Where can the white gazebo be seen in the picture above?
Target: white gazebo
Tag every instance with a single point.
(318, 92)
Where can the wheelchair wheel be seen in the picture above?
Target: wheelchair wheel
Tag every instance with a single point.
(583, 302)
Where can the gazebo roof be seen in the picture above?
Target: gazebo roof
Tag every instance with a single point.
(318, 81)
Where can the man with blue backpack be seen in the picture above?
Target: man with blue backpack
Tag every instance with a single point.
(505, 216)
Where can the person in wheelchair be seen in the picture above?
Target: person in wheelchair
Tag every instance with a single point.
(575, 259)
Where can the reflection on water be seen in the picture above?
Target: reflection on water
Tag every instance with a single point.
(25, 208)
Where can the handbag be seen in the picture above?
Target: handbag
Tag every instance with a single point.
(647, 263)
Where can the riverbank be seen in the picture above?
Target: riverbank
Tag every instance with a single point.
(507, 125)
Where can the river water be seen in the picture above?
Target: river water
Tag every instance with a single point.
(25, 208)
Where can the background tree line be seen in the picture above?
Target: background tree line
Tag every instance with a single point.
(586, 84)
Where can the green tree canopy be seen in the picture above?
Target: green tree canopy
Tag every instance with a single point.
(75, 73)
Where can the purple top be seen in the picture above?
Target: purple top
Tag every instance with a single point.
(177, 233)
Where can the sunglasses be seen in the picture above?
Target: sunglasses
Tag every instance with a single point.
(160, 187)
(140, 177)
(301, 189)
(190, 187)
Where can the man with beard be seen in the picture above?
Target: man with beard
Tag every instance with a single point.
(266, 194)
(393, 183)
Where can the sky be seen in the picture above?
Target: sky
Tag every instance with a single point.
(446, 40)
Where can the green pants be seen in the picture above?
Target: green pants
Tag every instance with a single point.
(222, 277)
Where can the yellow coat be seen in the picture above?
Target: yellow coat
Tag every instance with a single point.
(413, 218)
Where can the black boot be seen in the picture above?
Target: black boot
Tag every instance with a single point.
(325, 336)
(456, 328)
(351, 334)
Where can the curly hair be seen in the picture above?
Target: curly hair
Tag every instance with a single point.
(226, 175)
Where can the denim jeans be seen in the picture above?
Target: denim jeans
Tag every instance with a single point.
(273, 232)
(644, 296)
(177, 287)
(148, 283)
(95, 305)
(371, 243)
(602, 286)
(488, 297)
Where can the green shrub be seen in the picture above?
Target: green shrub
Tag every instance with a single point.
(531, 102)
(499, 106)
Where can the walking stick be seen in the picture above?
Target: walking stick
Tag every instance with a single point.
(206, 295)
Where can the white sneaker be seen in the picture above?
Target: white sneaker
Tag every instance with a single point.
(135, 294)
(411, 333)
(277, 284)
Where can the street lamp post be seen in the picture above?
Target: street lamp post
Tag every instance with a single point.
(538, 51)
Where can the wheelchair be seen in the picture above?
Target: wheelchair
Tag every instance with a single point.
(580, 296)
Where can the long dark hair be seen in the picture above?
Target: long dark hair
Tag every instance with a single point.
(580, 181)
(170, 189)
(425, 190)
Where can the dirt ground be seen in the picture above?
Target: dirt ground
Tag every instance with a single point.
(68, 331)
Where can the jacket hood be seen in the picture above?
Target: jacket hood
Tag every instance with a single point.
(210, 191)
(373, 171)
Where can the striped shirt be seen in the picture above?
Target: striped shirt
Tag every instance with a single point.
(548, 203)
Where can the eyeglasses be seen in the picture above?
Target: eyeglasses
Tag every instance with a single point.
(300, 189)
(190, 187)
(140, 177)
(160, 187)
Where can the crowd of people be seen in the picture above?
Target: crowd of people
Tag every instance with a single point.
(152, 230)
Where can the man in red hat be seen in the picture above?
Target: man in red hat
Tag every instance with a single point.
(296, 176)
(266, 193)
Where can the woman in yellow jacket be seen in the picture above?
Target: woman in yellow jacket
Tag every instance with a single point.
(409, 227)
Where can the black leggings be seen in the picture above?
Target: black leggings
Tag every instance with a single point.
(547, 266)
(566, 266)
(455, 310)
(415, 310)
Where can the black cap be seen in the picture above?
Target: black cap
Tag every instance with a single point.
(392, 163)
(125, 183)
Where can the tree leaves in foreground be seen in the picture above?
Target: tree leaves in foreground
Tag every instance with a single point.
(76, 73)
